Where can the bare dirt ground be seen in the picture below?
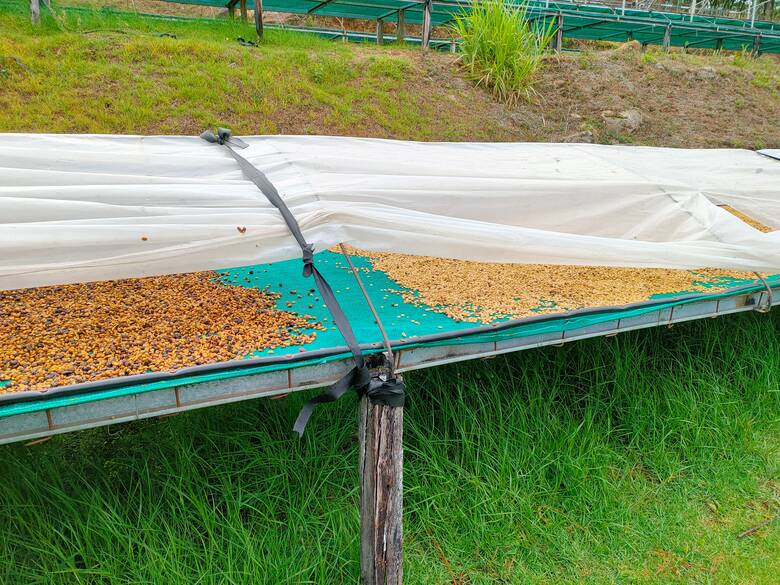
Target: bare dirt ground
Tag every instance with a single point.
(683, 100)
(621, 95)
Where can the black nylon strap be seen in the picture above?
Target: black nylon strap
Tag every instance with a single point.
(390, 392)
(357, 377)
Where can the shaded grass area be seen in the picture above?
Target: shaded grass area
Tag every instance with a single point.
(634, 459)
(108, 73)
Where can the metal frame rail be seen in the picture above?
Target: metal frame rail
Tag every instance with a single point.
(577, 20)
(67, 418)
(574, 20)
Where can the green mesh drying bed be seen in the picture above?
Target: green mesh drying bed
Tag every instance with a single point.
(413, 328)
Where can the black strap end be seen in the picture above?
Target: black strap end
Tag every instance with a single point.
(389, 392)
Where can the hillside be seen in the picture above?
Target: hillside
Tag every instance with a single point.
(116, 74)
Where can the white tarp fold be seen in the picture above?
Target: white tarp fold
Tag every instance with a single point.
(81, 208)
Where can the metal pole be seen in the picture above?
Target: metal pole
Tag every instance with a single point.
(427, 24)
(35, 11)
(753, 10)
(381, 492)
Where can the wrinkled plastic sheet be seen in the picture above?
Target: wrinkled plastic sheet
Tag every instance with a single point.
(77, 208)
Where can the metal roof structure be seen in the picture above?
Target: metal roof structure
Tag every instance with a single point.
(576, 21)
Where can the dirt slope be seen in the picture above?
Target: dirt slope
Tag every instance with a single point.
(684, 100)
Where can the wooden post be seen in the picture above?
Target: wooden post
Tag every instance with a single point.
(667, 37)
(559, 33)
(381, 501)
(757, 45)
(400, 31)
(35, 11)
(242, 3)
(259, 18)
(380, 32)
(231, 6)
(427, 24)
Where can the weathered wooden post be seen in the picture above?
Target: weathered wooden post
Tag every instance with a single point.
(380, 32)
(667, 42)
(756, 45)
(559, 33)
(35, 11)
(259, 18)
(400, 31)
(427, 24)
(381, 492)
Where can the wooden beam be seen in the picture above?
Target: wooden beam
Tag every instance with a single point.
(400, 31)
(381, 493)
(259, 18)
(427, 24)
(35, 11)
(242, 3)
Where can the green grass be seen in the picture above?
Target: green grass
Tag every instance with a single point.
(501, 49)
(635, 459)
(112, 73)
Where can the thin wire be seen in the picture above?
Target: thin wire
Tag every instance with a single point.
(377, 320)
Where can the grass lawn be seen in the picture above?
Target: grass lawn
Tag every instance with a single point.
(634, 459)
(107, 73)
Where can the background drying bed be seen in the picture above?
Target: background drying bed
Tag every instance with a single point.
(473, 295)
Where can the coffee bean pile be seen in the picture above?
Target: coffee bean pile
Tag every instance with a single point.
(482, 293)
(61, 335)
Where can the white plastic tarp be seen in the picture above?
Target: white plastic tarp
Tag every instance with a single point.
(84, 207)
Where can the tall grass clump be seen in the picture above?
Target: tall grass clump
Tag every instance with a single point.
(501, 48)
